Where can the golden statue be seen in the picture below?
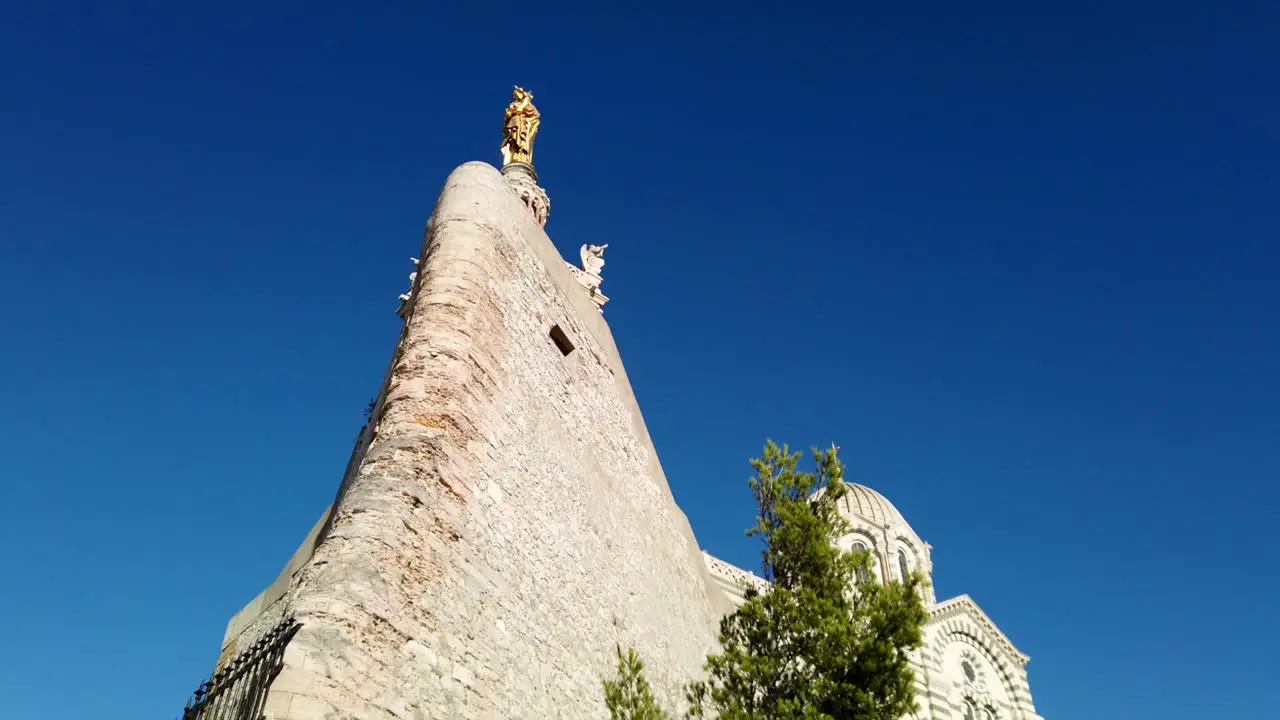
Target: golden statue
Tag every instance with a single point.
(519, 129)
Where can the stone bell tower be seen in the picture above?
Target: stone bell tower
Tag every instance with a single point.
(504, 522)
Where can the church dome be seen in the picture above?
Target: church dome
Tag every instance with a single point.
(870, 505)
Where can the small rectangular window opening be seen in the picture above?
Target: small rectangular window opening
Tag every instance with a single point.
(561, 340)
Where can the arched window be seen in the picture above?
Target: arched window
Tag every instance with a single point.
(903, 565)
(989, 714)
(968, 711)
(864, 575)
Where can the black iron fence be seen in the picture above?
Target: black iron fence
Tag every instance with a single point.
(238, 690)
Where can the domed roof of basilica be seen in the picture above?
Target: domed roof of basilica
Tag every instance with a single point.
(870, 505)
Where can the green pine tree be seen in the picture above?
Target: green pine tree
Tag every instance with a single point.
(827, 641)
(629, 697)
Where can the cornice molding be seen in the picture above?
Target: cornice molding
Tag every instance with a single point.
(735, 575)
(963, 606)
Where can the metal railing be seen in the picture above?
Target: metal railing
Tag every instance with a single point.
(238, 690)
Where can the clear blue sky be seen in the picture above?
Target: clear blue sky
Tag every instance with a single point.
(1019, 262)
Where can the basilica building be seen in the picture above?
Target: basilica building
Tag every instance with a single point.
(468, 566)
(967, 669)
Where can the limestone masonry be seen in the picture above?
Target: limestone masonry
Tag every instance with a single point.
(504, 523)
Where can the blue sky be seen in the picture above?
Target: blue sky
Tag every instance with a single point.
(1017, 261)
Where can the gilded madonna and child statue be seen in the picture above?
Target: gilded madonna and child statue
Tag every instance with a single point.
(519, 128)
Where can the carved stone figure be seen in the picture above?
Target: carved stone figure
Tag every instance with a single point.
(588, 276)
(593, 258)
(413, 277)
(520, 128)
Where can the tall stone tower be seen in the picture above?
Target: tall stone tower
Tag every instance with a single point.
(503, 523)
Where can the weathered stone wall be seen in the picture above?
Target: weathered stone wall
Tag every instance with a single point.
(509, 524)
(272, 605)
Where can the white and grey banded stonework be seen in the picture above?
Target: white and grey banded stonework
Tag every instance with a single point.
(967, 669)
